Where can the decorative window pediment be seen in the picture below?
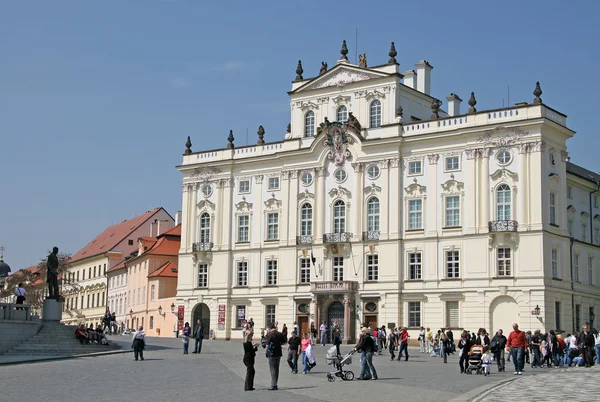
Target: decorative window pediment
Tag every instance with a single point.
(372, 190)
(339, 191)
(415, 191)
(597, 220)
(305, 106)
(585, 217)
(273, 205)
(554, 177)
(341, 77)
(504, 175)
(374, 94)
(206, 205)
(243, 207)
(341, 100)
(305, 196)
(453, 187)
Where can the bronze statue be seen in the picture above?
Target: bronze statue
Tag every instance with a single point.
(52, 280)
(323, 68)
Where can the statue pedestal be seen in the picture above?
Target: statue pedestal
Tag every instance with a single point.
(52, 310)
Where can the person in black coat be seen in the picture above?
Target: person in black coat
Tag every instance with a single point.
(249, 357)
(464, 344)
(497, 346)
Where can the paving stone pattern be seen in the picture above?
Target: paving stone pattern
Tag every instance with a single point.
(217, 375)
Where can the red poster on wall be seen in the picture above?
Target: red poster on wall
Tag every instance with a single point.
(221, 321)
(180, 311)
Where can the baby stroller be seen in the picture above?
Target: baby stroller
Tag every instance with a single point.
(475, 360)
(333, 359)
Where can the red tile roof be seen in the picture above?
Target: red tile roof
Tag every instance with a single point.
(175, 231)
(112, 236)
(168, 270)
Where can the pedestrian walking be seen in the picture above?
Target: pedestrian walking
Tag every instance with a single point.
(187, 333)
(323, 330)
(421, 340)
(249, 358)
(366, 345)
(587, 345)
(337, 338)
(516, 344)
(138, 344)
(313, 333)
(464, 344)
(597, 345)
(305, 344)
(428, 341)
(403, 342)
(392, 343)
(198, 337)
(497, 346)
(274, 341)
(293, 352)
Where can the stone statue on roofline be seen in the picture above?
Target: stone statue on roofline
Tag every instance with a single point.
(52, 265)
(362, 60)
(353, 123)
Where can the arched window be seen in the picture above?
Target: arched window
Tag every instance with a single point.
(373, 214)
(306, 216)
(204, 228)
(339, 217)
(309, 124)
(503, 203)
(375, 114)
(342, 114)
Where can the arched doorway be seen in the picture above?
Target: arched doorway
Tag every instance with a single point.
(202, 313)
(335, 316)
(504, 311)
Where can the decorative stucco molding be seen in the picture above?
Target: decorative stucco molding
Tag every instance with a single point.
(341, 78)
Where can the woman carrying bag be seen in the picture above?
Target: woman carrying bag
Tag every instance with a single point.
(249, 357)
(187, 332)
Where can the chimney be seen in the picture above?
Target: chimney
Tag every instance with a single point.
(177, 218)
(424, 76)
(410, 79)
(453, 105)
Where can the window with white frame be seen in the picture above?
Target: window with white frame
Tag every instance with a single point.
(552, 209)
(306, 220)
(584, 230)
(273, 183)
(415, 168)
(452, 314)
(272, 226)
(339, 217)
(375, 114)
(414, 314)
(242, 273)
(452, 211)
(306, 178)
(452, 264)
(414, 266)
(372, 267)
(373, 214)
(373, 171)
(240, 315)
(555, 263)
(503, 203)
(338, 269)
(309, 124)
(452, 163)
(204, 228)
(244, 186)
(270, 314)
(304, 270)
(203, 275)
(576, 267)
(415, 214)
(342, 114)
(243, 228)
(569, 192)
(152, 289)
(590, 270)
(504, 261)
(271, 272)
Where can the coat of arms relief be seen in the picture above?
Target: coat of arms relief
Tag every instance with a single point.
(337, 138)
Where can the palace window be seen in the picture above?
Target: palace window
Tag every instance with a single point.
(372, 267)
(306, 178)
(271, 272)
(576, 267)
(415, 168)
(204, 228)
(306, 216)
(152, 289)
(151, 322)
(452, 314)
(504, 261)
(373, 214)
(415, 214)
(452, 264)
(309, 124)
(270, 314)
(304, 270)
(452, 211)
(503, 203)
(339, 217)
(202, 275)
(452, 163)
(503, 157)
(338, 269)
(240, 316)
(584, 232)
(342, 114)
(340, 175)
(373, 172)
(244, 186)
(375, 115)
(555, 263)
(414, 314)
(552, 209)
(243, 228)
(272, 226)
(414, 266)
(273, 183)
(242, 273)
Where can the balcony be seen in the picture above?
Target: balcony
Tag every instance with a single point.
(343, 237)
(503, 226)
(370, 235)
(333, 287)
(202, 247)
(300, 240)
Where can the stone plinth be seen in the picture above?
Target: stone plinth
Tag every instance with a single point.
(52, 310)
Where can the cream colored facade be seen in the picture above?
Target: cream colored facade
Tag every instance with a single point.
(419, 217)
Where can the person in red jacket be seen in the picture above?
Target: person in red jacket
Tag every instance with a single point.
(516, 344)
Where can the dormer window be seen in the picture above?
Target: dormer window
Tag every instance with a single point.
(309, 124)
(375, 115)
(342, 114)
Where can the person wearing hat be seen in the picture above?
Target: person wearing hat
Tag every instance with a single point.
(293, 352)
(366, 345)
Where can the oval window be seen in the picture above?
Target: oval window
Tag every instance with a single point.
(371, 307)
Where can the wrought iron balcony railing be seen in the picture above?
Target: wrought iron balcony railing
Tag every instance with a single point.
(202, 246)
(343, 237)
(333, 286)
(503, 226)
(304, 240)
(370, 235)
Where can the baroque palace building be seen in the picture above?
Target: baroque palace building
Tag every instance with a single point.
(380, 208)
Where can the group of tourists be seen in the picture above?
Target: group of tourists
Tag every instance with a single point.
(90, 335)
(198, 336)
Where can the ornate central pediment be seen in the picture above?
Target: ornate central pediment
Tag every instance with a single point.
(341, 76)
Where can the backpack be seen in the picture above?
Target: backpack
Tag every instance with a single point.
(494, 346)
(270, 349)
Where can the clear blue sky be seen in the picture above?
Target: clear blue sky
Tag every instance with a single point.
(97, 98)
